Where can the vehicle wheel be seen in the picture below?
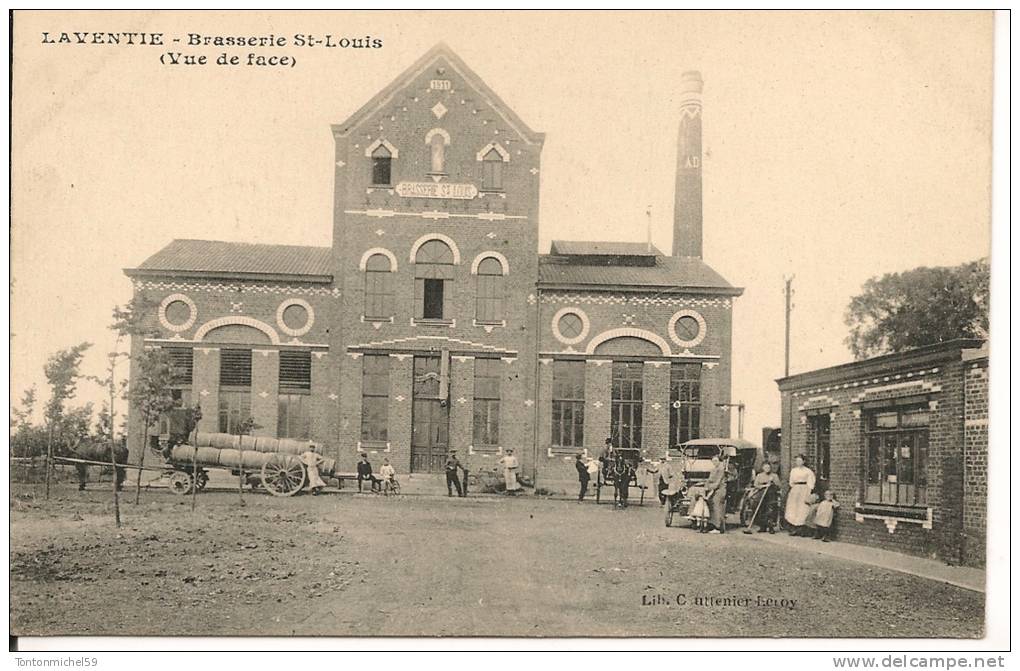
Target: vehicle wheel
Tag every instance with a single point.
(746, 509)
(283, 475)
(180, 482)
(203, 480)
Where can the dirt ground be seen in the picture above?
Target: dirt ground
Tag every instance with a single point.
(362, 565)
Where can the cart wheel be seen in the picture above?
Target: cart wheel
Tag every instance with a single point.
(203, 480)
(669, 515)
(746, 509)
(283, 475)
(180, 482)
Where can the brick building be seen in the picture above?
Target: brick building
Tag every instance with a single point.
(902, 440)
(432, 322)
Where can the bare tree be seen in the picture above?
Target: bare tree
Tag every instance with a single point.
(62, 373)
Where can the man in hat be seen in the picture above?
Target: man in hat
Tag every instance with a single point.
(452, 481)
(365, 473)
(582, 476)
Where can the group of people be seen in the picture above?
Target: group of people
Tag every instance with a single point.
(613, 465)
(806, 512)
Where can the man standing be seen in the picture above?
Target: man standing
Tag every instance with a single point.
(582, 477)
(622, 473)
(452, 481)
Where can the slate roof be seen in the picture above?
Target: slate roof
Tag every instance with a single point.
(666, 272)
(585, 248)
(237, 258)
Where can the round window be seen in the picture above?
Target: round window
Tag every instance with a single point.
(687, 328)
(178, 313)
(295, 316)
(570, 326)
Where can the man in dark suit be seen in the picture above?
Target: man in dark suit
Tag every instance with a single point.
(452, 481)
(365, 473)
(582, 477)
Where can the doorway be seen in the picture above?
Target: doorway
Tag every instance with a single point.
(430, 418)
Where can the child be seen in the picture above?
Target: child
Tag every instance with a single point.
(825, 515)
(387, 475)
(699, 510)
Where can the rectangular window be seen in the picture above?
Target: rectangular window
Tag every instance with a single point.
(378, 294)
(486, 418)
(684, 403)
(235, 409)
(375, 397)
(628, 400)
(492, 175)
(489, 298)
(819, 443)
(295, 370)
(381, 170)
(897, 452)
(235, 368)
(568, 404)
(235, 389)
(432, 299)
(293, 417)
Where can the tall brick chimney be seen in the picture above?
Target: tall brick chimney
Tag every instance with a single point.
(687, 207)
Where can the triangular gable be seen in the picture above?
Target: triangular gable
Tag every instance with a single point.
(438, 53)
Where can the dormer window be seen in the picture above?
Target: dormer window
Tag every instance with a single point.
(382, 161)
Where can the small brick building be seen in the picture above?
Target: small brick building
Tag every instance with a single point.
(432, 322)
(902, 440)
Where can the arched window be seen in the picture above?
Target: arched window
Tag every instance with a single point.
(433, 275)
(378, 287)
(437, 144)
(492, 171)
(381, 165)
(489, 296)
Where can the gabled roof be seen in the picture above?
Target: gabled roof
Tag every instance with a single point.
(439, 52)
(666, 273)
(216, 257)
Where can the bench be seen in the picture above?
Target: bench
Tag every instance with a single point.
(341, 478)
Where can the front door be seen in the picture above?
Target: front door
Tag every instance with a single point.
(430, 418)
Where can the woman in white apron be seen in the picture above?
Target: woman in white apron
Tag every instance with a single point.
(311, 460)
(802, 481)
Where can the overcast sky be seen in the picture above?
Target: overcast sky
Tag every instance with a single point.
(838, 146)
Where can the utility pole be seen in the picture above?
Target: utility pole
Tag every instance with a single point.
(649, 213)
(788, 291)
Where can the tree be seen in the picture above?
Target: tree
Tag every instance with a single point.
(112, 386)
(22, 417)
(151, 394)
(62, 373)
(918, 307)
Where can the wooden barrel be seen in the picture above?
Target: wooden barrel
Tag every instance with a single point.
(204, 439)
(208, 456)
(247, 443)
(182, 453)
(267, 444)
(230, 458)
(254, 460)
(225, 441)
(327, 468)
(293, 446)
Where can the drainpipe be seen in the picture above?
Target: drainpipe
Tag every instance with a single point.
(534, 456)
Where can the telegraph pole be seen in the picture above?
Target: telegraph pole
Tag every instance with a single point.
(788, 291)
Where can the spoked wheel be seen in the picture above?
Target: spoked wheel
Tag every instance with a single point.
(203, 480)
(181, 482)
(283, 475)
(746, 508)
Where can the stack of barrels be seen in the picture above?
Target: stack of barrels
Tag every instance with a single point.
(249, 452)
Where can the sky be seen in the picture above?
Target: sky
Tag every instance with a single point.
(838, 146)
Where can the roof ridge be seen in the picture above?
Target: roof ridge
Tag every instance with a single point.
(253, 244)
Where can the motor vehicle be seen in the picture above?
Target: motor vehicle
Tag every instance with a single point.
(691, 465)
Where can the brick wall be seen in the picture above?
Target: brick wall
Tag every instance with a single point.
(955, 475)
(975, 448)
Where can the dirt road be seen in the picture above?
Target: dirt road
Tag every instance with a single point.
(361, 565)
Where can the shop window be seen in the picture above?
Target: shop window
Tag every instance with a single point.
(375, 397)
(628, 401)
(568, 404)
(897, 452)
(487, 401)
(684, 403)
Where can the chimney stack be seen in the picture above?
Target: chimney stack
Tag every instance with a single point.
(687, 207)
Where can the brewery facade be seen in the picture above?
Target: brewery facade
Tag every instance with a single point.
(432, 322)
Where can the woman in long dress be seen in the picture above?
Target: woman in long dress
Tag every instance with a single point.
(510, 468)
(802, 481)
